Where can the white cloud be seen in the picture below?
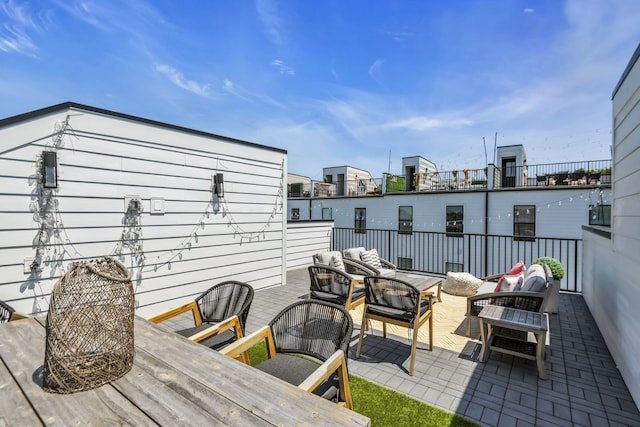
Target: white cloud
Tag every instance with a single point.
(14, 33)
(282, 67)
(268, 13)
(375, 69)
(177, 78)
(528, 10)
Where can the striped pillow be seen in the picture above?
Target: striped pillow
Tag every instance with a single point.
(372, 258)
(337, 262)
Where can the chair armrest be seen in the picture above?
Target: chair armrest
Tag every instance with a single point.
(388, 264)
(191, 306)
(531, 301)
(235, 349)
(231, 322)
(361, 267)
(336, 363)
(494, 277)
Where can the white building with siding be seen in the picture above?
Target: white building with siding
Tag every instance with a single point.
(612, 256)
(177, 237)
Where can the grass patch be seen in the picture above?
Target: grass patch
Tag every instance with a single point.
(383, 406)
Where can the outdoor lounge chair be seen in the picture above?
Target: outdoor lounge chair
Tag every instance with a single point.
(371, 260)
(312, 329)
(536, 287)
(335, 286)
(357, 270)
(219, 314)
(7, 313)
(397, 302)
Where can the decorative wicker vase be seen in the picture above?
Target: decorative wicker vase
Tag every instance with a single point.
(89, 335)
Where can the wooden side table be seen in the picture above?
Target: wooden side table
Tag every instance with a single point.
(505, 329)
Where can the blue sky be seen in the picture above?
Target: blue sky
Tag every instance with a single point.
(335, 82)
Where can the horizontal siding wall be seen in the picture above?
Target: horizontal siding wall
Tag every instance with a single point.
(306, 238)
(198, 241)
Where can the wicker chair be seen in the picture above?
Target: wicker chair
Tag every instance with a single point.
(380, 267)
(226, 304)
(397, 302)
(316, 330)
(523, 300)
(335, 286)
(7, 313)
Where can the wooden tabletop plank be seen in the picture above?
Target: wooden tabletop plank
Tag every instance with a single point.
(264, 395)
(15, 408)
(170, 398)
(22, 351)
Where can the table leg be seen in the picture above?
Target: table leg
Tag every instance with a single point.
(484, 353)
(540, 350)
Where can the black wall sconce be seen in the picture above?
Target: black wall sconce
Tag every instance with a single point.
(49, 169)
(218, 185)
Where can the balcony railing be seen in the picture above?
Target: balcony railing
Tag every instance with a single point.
(587, 173)
(479, 254)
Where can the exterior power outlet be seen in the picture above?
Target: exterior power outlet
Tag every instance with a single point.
(27, 265)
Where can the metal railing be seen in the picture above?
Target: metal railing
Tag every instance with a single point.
(586, 173)
(478, 254)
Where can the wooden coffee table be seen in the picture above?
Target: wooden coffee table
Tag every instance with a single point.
(505, 329)
(422, 282)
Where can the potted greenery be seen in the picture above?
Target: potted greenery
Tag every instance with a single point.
(557, 271)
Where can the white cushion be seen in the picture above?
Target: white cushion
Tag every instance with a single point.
(461, 284)
(327, 257)
(510, 283)
(372, 258)
(353, 253)
(535, 279)
(336, 261)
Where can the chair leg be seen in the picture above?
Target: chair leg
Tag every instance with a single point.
(414, 344)
(362, 328)
(431, 332)
(468, 326)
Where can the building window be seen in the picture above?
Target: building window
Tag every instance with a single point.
(524, 222)
(600, 215)
(405, 263)
(455, 218)
(405, 219)
(327, 213)
(295, 214)
(361, 220)
(454, 267)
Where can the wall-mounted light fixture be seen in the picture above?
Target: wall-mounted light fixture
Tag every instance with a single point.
(49, 169)
(218, 185)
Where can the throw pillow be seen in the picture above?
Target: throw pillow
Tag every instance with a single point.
(461, 284)
(336, 261)
(517, 269)
(372, 258)
(535, 279)
(509, 283)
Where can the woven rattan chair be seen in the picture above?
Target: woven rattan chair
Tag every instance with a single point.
(316, 330)
(226, 304)
(335, 286)
(380, 267)
(397, 302)
(7, 313)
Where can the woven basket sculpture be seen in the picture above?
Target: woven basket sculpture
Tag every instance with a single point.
(89, 331)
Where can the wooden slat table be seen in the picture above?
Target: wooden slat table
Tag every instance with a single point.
(173, 382)
(422, 282)
(497, 327)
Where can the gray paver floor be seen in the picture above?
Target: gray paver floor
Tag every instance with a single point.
(584, 387)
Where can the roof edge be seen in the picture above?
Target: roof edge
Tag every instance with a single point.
(627, 70)
(68, 105)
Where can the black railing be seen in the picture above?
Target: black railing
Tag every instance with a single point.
(479, 254)
(586, 173)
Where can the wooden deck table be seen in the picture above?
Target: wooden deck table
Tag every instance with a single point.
(173, 382)
(499, 328)
(422, 282)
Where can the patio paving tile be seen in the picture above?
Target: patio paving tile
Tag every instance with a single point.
(584, 387)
